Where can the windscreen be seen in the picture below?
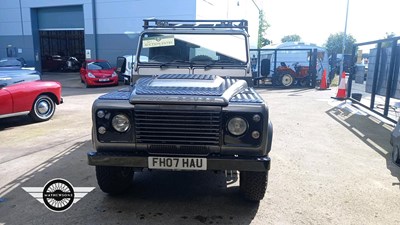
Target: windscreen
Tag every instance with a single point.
(194, 48)
(99, 66)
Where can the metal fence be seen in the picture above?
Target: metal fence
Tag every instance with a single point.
(375, 85)
(284, 67)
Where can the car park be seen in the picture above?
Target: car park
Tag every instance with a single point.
(23, 93)
(98, 73)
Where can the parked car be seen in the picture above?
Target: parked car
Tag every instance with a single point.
(53, 63)
(98, 73)
(13, 63)
(72, 64)
(185, 112)
(395, 141)
(23, 93)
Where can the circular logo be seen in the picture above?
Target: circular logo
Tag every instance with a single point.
(58, 195)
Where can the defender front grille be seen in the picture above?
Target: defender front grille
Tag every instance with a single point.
(176, 127)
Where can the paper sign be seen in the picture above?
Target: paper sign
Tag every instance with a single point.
(151, 42)
(88, 54)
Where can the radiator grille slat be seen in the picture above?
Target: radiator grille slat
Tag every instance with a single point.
(175, 127)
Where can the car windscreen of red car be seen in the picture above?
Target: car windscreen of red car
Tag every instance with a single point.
(99, 66)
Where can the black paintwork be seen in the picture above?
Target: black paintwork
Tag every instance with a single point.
(158, 115)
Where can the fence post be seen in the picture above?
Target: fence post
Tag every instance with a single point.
(376, 73)
(314, 67)
(390, 77)
(351, 72)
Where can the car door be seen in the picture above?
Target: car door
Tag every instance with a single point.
(6, 101)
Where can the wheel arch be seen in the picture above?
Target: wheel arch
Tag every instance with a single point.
(51, 95)
(269, 136)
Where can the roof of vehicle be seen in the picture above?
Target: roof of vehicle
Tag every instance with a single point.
(198, 25)
(11, 61)
(293, 45)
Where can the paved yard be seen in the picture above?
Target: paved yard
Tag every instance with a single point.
(330, 165)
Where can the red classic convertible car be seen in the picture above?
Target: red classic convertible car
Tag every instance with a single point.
(22, 93)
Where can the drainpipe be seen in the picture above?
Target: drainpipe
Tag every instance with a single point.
(94, 28)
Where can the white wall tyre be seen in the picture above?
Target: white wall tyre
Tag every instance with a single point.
(43, 108)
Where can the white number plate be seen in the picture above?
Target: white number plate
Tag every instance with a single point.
(177, 163)
(103, 80)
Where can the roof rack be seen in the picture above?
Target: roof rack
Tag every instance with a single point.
(177, 24)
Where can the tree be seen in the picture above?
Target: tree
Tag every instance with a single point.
(388, 35)
(334, 44)
(262, 30)
(290, 38)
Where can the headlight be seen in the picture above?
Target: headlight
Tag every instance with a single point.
(121, 123)
(114, 74)
(237, 126)
(91, 75)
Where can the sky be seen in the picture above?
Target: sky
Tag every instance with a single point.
(315, 20)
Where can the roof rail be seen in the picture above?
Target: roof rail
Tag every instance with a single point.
(195, 24)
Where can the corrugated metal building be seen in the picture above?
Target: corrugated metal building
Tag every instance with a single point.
(45, 30)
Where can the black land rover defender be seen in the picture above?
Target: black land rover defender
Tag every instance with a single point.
(187, 108)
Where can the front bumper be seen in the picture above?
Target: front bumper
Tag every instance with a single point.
(97, 82)
(259, 164)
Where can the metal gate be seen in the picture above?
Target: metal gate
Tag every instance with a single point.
(374, 78)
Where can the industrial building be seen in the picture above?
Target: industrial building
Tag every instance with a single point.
(44, 32)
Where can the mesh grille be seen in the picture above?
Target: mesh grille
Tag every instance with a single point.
(175, 127)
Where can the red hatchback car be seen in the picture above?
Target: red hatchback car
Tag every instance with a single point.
(98, 73)
(22, 93)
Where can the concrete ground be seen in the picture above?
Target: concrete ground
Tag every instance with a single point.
(330, 165)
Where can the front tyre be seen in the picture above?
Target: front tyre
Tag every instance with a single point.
(43, 108)
(253, 185)
(287, 80)
(114, 179)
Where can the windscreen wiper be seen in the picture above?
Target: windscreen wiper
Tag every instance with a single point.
(209, 65)
(175, 63)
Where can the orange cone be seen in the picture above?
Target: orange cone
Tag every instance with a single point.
(323, 85)
(341, 94)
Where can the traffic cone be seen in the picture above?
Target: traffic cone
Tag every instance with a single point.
(323, 85)
(341, 94)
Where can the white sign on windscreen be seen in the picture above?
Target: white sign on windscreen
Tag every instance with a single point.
(159, 41)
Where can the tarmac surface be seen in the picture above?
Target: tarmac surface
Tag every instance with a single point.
(330, 165)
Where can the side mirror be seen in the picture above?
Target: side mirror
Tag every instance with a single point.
(121, 64)
(265, 67)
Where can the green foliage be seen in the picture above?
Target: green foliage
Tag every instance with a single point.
(290, 38)
(334, 43)
(388, 44)
(265, 41)
(262, 30)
